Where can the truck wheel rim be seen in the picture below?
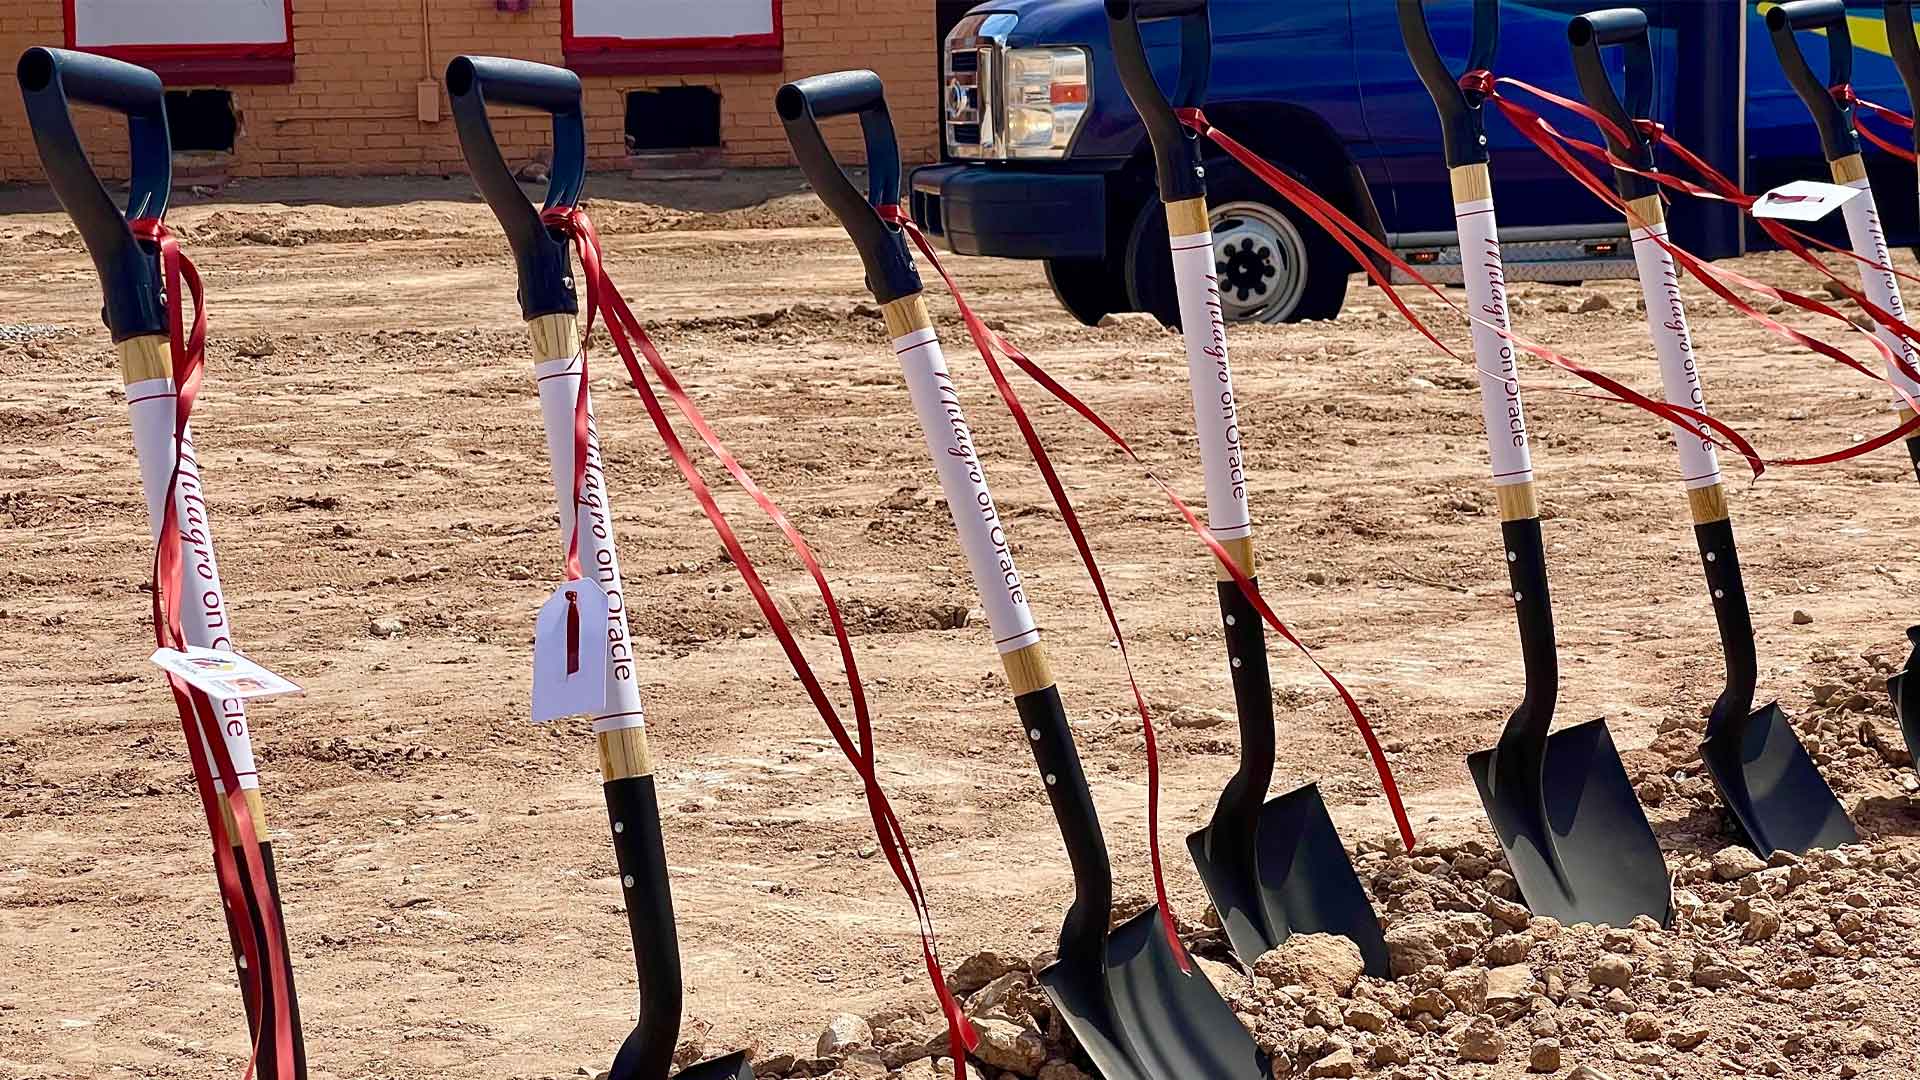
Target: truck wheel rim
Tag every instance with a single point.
(1260, 259)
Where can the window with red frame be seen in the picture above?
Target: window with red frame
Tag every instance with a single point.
(190, 41)
(670, 37)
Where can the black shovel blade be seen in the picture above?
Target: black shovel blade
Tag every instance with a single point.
(1227, 869)
(1906, 697)
(1142, 1018)
(628, 1064)
(1775, 793)
(730, 1067)
(1079, 994)
(1577, 841)
(1307, 882)
(1301, 881)
(1176, 1023)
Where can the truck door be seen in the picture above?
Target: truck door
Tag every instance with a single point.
(1531, 190)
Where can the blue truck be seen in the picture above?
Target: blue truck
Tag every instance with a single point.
(1043, 157)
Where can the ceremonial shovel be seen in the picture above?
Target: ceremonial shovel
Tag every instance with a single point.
(1125, 997)
(1561, 804)
(1904, 689)
(136, 314)
(1777, 797)
(1272, 868)
(548, 303)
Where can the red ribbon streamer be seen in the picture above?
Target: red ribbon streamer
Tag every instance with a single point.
(1554, 144)
(1359, 243)
(1893, 116)
(987, 341)
(1544, 135)
(244, 890)
(979, 332)
(582, 430)
(604, 299)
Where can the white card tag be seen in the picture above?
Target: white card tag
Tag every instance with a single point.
(223, 675)
(1803, 200)
(570, 652)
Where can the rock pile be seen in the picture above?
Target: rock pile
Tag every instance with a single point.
(1764, 972)
(1769, 967)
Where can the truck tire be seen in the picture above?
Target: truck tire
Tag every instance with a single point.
(1274, 264)
(1090, 289)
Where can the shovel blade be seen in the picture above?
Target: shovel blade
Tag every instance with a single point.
(1576, 838)
(730, 1067)
(1307, 882)
(1175, 1022)
(1906, 700)
(1225, 860)
(1138, 1017)
(1772, 788)
(1078, 993)
(1298, 881)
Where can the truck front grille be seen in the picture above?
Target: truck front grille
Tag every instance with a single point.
(967, 108)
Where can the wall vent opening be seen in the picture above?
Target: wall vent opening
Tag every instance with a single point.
(671, 118)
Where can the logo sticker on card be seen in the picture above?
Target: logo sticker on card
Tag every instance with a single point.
(570, 652)
(223, 675)
(1803, 200)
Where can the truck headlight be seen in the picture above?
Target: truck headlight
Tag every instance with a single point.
(1046, 98)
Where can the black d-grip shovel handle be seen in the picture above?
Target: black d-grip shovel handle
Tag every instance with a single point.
(1834, 117)
(546, 283)
(802, 104)
(52, 79)
(1462, 123)
(1905, 49)
(1176, 147)
(1626, 27)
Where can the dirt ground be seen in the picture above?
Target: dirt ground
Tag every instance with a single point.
(372, 448)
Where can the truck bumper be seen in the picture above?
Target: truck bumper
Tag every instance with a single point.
(983, 210)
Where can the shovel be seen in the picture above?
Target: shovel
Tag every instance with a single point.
(1905, 691)
(548, 303)
(136, 314)
(1561, 803)
(1272, 868)
(1125, 996)
(1840, 141)
(1775, 794)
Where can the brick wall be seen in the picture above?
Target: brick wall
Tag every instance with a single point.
(352, 108)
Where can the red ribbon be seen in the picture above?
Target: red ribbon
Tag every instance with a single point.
(980, 334)
(1893, 116)
(582, 432)
(244, 890)
(1360, 244)
(604, 299)
(987, 342)
(1555, 145)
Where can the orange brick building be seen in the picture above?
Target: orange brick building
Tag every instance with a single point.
(343, 87)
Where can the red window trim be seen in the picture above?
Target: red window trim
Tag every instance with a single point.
(232, 63)
(600, 55)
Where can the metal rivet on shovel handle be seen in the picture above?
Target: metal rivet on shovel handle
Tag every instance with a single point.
(548, 304)
(1132, 1009)
(1771, 787)
(1561, 803)
(1272, 868)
